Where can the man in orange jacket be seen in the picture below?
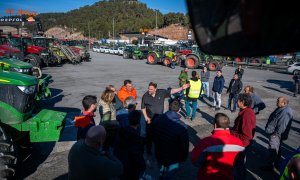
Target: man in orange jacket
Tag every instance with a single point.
(127, 90)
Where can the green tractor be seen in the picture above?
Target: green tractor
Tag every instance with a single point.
(162, 54)
(17, 122)
(140, 53)
(198, 58)
(128, 51)
(14, 65)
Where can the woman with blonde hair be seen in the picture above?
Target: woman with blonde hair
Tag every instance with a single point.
(107, 109)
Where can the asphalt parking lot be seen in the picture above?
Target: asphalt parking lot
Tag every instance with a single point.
(72, 82)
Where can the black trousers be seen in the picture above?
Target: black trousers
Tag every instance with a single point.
(149, 138)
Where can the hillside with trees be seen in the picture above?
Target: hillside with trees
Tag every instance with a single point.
(128, 16)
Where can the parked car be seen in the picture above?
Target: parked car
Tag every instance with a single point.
(294, 68)
(111, 51)
(115, 50)
(120, 51)
(106, 50)
(97, 49)
(94, 48)
(102, 49)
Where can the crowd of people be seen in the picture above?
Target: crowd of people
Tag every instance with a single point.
(115, 147)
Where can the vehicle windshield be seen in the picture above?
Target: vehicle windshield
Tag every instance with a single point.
(28, 41)
(3, 40)
(40, 42)
(129, 48)
(16, 42)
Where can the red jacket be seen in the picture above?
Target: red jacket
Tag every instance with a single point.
(123, 93)
(244, 126)
(216, 154)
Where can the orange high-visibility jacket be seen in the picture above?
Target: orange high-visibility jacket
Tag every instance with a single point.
(123, 93)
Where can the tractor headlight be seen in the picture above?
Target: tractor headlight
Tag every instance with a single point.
(27, 89)
(16, 70)
(20, 70)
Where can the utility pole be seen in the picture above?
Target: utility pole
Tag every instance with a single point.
(114, 32)
(89, 36)
(155, 23)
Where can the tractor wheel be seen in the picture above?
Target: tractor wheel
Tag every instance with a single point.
(167, 61)
(191, 61)
(33, 59)
(152, 59)
(213, 66)
(134, 57)
(125, 55)
(8, 156)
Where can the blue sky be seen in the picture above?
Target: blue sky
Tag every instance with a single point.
(42, 6)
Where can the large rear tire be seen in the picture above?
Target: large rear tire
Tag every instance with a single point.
(191, 62)
(213, 66)
(167, 61)
(152, 59)
(33, 59)
(8, 156)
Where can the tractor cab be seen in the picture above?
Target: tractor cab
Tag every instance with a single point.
(7, 50)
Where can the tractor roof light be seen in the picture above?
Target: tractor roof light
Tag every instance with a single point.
(27, 89)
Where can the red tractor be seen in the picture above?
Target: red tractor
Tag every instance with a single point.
(34, 55)
(8, 51)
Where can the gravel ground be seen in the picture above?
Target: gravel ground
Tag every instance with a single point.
(72, 82)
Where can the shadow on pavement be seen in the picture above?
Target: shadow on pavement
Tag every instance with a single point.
(288, 85)
(274, 89)
(257, 157)
(56, 97)
(193, 138)
(32, 158)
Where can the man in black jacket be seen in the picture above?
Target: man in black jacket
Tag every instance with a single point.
(235, 87)
(129, 148)
(239, 71)
(171, 141)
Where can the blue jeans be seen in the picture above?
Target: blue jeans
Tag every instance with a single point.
(206, 88)
(188, 109)
(232, 98)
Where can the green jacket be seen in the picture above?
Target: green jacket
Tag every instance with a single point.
(183, 78)
(89, 163)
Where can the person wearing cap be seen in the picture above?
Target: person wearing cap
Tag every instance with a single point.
(87, 161)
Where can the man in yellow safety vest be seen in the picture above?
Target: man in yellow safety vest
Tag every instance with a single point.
(192, 95)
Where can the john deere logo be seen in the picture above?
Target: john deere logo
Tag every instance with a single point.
(30, 19)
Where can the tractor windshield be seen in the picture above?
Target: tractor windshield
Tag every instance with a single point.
(40, 42)
(16, 42)
(3, 40)
(28, 41)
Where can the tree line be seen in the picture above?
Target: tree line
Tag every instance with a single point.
(128, 16)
